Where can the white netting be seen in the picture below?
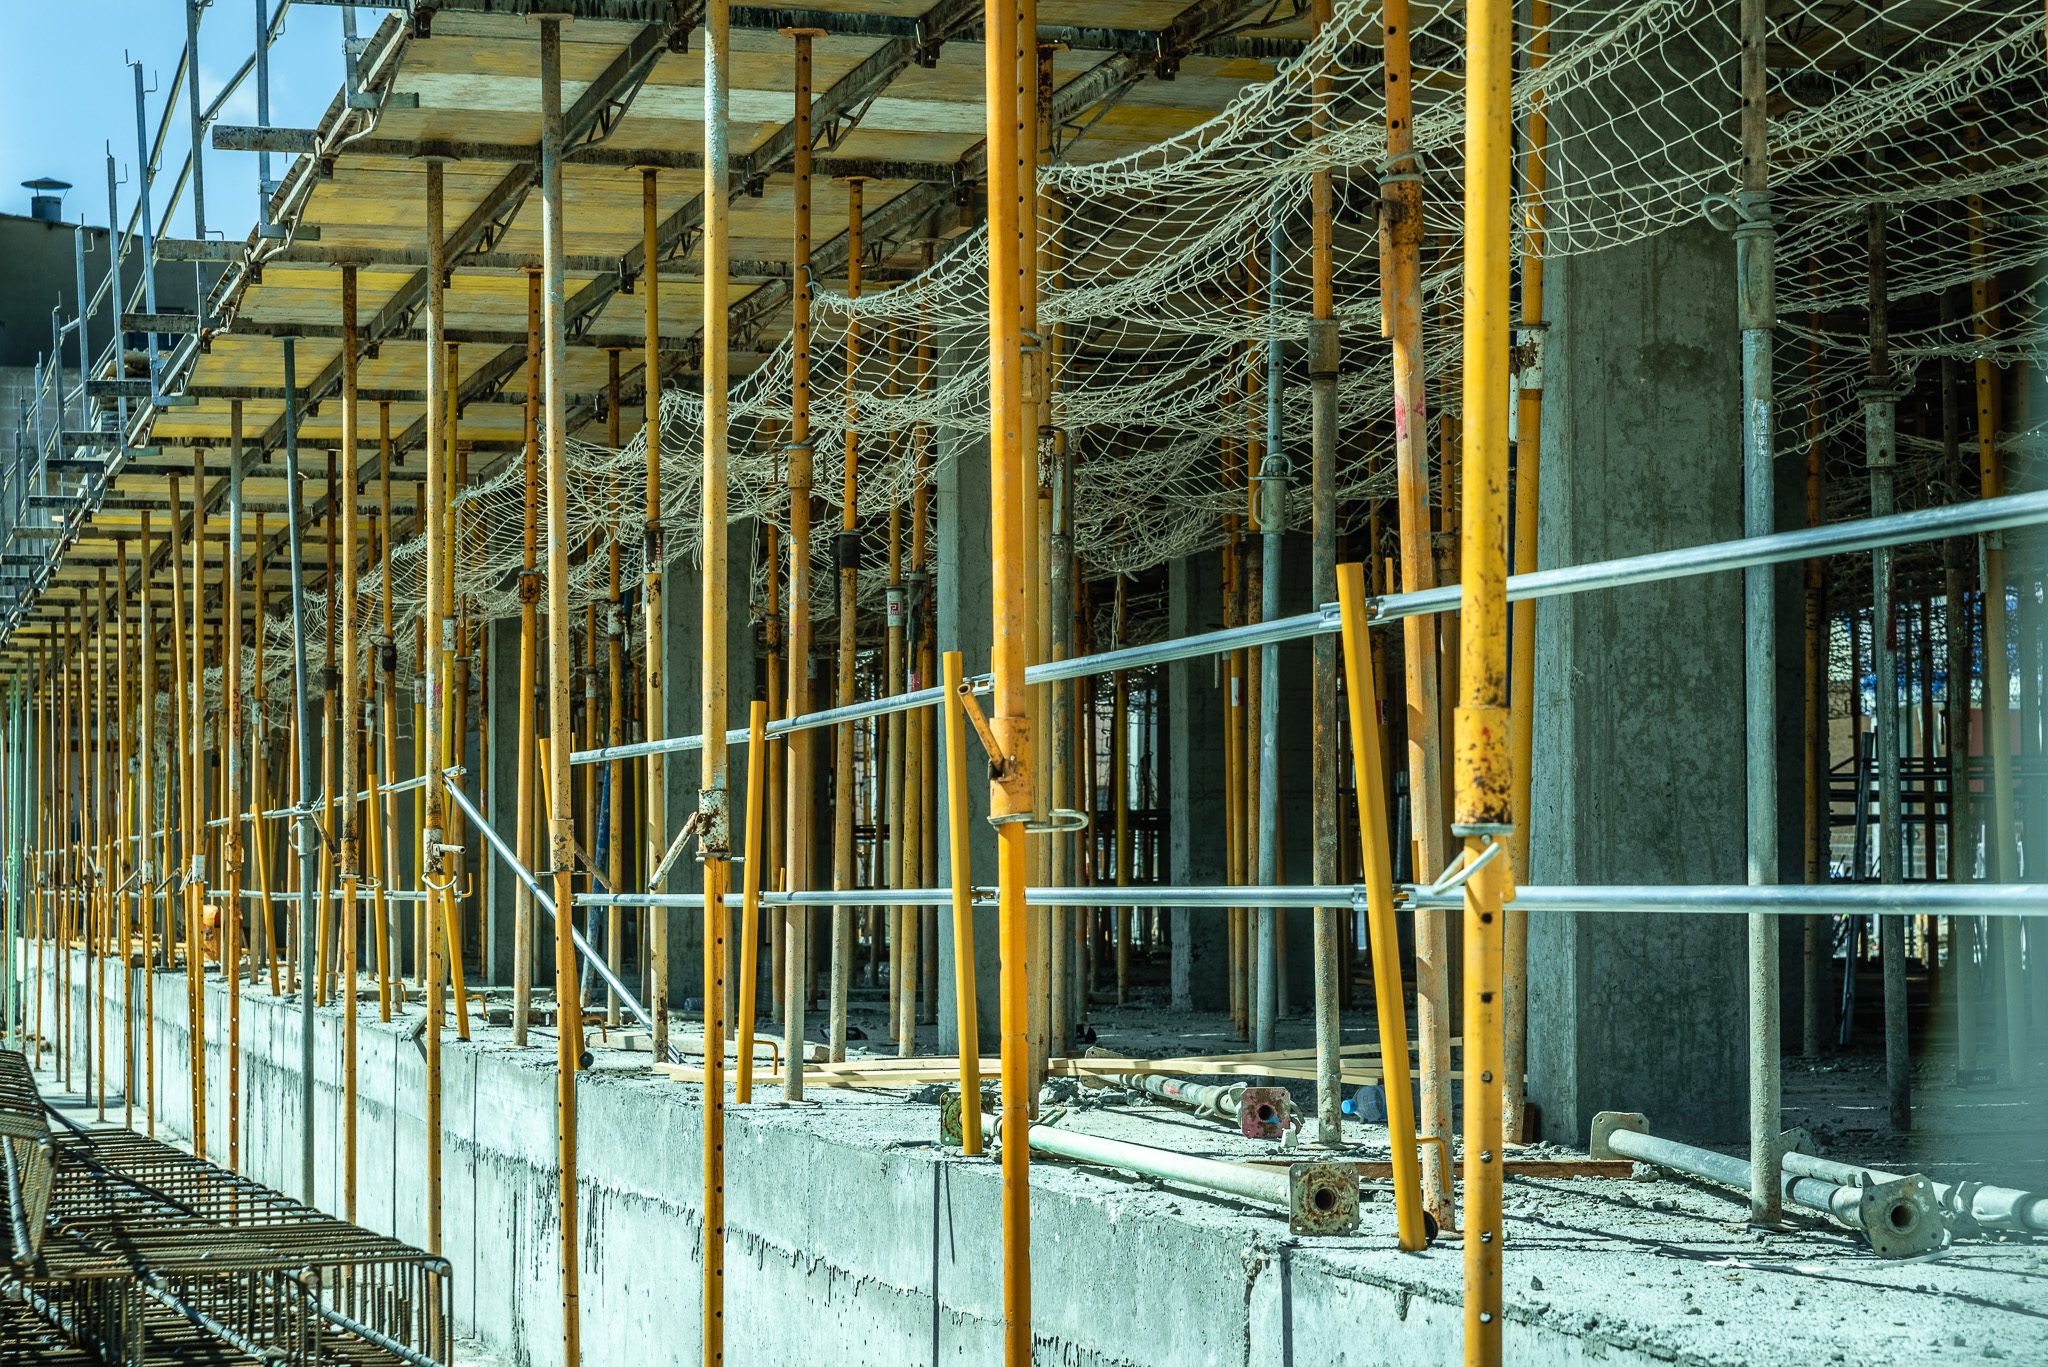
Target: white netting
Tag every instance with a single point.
(1158, 305)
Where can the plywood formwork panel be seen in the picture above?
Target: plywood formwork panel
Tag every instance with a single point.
(682, 311)
(669, 112)
(300, 293)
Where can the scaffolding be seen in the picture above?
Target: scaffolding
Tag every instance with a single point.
(1247, 312)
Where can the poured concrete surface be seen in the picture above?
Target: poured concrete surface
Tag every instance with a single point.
(854, 1238)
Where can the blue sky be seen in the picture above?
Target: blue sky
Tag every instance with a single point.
(66, 92)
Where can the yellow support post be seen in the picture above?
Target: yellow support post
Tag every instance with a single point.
(1376, 870)
(378, 869)
(96, 944)
(846, 557)
(1401, 259)
(181, 688)
(771, 630)
(890, 830)
(349, 736)
(561, 818)
(803, 744)
(1010, 790)
(230, 807)
(1484, 811)
(145, 826)
(434, 874)
(712, 804)
(1528, 475)
(529, 646)
(323, 977)
(387, 715)
(259, 787)
(454, 734)
(652, 615)
(750, 888)
(1120, 801)
(122, 858)
(615, 735)
(958, 856)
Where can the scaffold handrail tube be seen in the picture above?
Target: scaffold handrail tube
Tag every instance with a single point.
(362, 894)
(1976, 517)
(546, 903)
(2016, 900)
(282, 813)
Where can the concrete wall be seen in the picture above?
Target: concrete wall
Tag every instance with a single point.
(851, 1238)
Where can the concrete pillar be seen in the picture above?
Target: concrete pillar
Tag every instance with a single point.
(683, 773)
(1638, 766)
(500, 803)
(962, 588)
(1195, 709)
(1297, 830)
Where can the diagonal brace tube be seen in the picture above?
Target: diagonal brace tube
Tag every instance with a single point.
(547, 903)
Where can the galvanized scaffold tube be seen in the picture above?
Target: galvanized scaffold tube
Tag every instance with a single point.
(534, 887)
(145, 219)
(306, 826)
(1272, 481)
(846, 559)
(799, 858)
(17, 805)
(1970, 1203)
(1880, 436)
(1330, 963)
(1755, 265)
(1899, 1216)
(1974, 517)
(1318, 1197)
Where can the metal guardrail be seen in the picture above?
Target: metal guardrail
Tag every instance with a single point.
(1959, 519)
(2003, 900)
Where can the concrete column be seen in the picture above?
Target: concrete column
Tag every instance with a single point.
(500, 803)
(1297, 831)
(1638, 693)
(684, 610)
(1195, 708)
(1194, 785)
(962, 589)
